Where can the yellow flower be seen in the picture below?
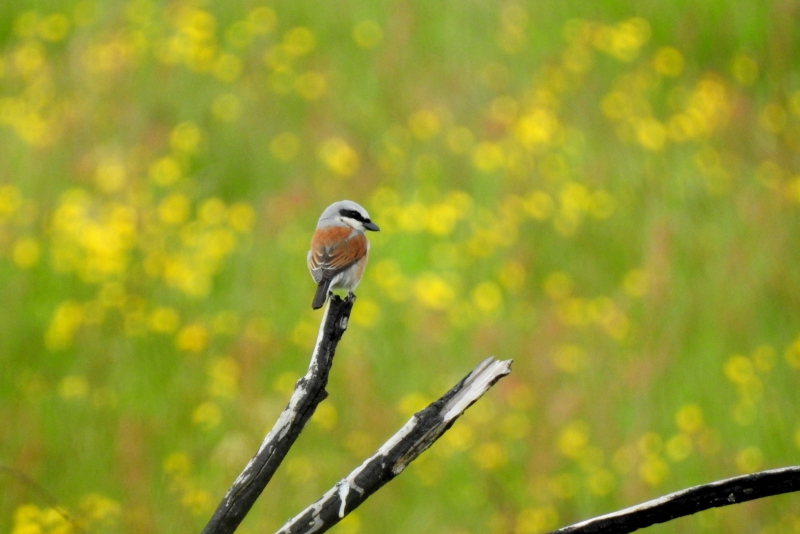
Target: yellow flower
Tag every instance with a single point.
(689, 418)
(174, 209)
(739, 369)
(601, 482)
(304, 334)
(411, 403)
(29, 58)
(558, 285)
(424, 124)
(624, 40)
(433, 291)
(177, 464)
(310, 85)
(165, 171)
(241, 217)
(192, 338)
(110, 176)
(442, 219)
(238, 35)
(650, 444)
(54, 27)
(668, 61)
(749, 459)
(227, 67)
(573, 439)
(651, 134)
(197, 24)
(536, 127)
(487, 297)
(366, 313)
(299, 41)
(100, 510)
(65, 322)
(261, 20)
(223, 377)
(489, 456)
(635, 283)
(744, 69)
(26, 24)
(227, 107)
(212, 211)
(285, 383)
(325, 416)
(488, 156)
(653, 470)
(539, 205)
(26, 252)
(73, 387)
(199, 502)
(186, 137)
(569, 358)
(164, 320)
(537, 520)
(679, 447)
(459, 438)
(27, 519)
(413, 217)
(207, 415)
(10, 200)
(601, 204)
(339, 156)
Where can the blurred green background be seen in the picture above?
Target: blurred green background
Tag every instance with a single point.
(606, 192)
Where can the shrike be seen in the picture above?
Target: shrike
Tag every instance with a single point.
(339, 249)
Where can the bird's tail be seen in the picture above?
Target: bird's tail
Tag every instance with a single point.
(321, 294)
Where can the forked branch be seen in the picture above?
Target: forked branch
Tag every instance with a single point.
(308, 393)
(392, 457)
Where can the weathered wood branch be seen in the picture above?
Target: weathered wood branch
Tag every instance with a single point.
(392, 457)
(692, 500)
(308, 393)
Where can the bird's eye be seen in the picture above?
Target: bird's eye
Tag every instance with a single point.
(352, 214)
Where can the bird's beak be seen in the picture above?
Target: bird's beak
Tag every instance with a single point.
(369, 225)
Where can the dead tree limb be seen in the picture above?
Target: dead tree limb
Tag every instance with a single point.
(392, 457)
(308, 393)
(692, 500)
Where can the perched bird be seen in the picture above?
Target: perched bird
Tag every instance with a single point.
(339, 249)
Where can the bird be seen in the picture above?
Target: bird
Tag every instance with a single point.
(339, 249)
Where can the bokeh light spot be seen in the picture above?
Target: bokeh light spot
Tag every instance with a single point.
(367, 34)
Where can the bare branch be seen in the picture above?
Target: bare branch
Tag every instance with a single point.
(392, 457)
(308, 393)
(692, 500)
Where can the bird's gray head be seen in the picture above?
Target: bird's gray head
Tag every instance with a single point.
(349, 213)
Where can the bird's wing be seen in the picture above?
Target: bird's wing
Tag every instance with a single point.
(346, 247)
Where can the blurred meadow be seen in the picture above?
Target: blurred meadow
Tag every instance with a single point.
(606, 192)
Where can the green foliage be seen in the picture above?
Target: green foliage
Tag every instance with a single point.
(606, 192)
